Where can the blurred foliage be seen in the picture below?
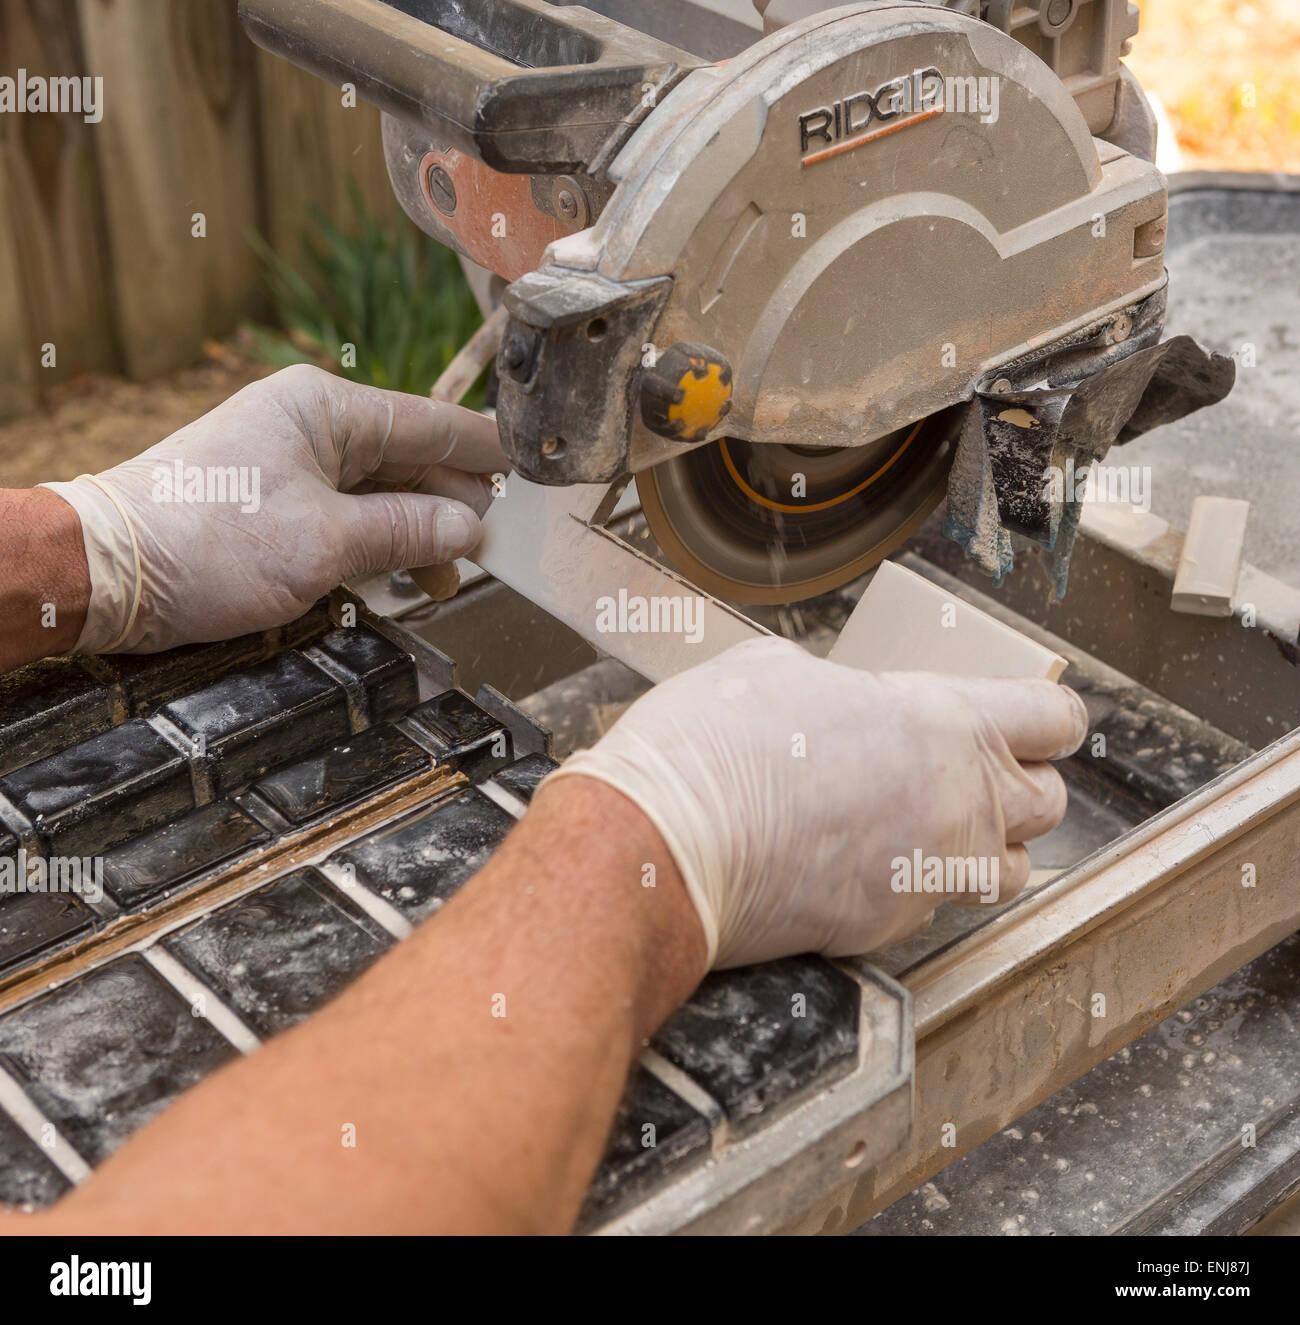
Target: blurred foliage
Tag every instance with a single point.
(1228, 73)
(397, 296)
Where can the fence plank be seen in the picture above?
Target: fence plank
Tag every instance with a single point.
(53, 211)
(312, 143)
(17, 386)
(176, 139)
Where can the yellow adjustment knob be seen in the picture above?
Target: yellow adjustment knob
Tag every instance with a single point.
(687, 393)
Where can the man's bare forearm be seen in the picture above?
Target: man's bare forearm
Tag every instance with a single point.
(466, 1083)
(44, 580)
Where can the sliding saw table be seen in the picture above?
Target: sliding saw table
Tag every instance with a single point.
(766, 305)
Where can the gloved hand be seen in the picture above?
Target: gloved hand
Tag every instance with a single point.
(304, 467)
(793, 793)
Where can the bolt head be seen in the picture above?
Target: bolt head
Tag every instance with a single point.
(442, 190)
(401, 583)
(515, 354)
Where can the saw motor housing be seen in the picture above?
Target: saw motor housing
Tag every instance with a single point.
(856, 267)
(875, 216)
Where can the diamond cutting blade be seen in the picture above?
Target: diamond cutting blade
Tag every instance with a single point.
(777, 524)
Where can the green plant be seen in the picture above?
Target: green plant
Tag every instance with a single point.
(397, 297)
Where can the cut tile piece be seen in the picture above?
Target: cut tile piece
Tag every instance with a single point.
(139, 870)
(903, 623)
(28, 1179)
(467, 737)
(101, 791)
(252, 721)
(384, 671)
(280, 953)
(47, 706)
(755, 1037)
(418, 862)
(33, 923)
(524, 776)
(655, 1135)
(352, 770)
(1210, 564)
(547, 544)
(101, 1055)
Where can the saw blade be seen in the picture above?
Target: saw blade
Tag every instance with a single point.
(770, 524)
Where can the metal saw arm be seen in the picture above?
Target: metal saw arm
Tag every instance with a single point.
(522, 86)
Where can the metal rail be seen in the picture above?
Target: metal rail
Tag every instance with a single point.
(1010, 1013)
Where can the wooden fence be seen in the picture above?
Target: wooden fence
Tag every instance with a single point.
(123, 243)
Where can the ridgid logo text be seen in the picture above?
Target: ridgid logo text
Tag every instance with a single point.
(78, 1278)
(953, 875)
(33, 94)
(861, 117)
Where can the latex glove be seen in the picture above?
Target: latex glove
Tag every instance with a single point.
(788, 789)
(311, 462)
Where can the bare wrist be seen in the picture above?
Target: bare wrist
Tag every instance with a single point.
(624, 856)
(45, 589)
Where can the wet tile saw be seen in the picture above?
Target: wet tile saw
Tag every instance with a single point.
(801, 273)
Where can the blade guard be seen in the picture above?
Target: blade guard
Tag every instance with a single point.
(858, 261)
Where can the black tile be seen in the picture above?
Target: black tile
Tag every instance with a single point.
(655, 1135)
(101, 1055)
(524, 775)
(280, 953)
(101, 791)
(27, 1177)
(755, 1037)
(350, 771)
(385, 672)
(32, 923)
(420, 861)
(140, 869)
(468, 738)
(455, 717)
(47, 706)
(307, 628)
(149, 680)
(254, 720)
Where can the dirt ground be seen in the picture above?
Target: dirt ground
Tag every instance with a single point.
(1227, 72)
(90, 423)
